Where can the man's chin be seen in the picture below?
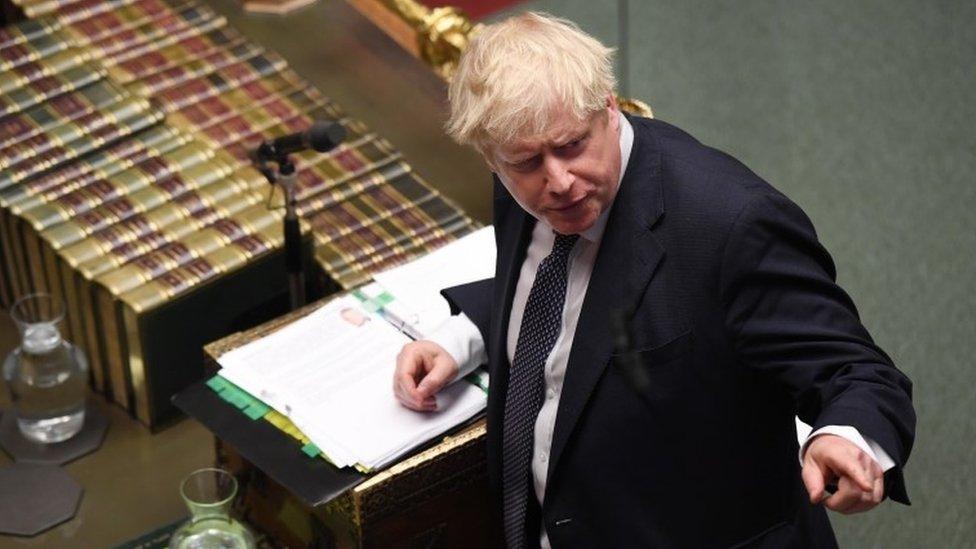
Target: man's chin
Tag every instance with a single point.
(571, 226)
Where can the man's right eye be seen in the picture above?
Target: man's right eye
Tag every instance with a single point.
(526, 165)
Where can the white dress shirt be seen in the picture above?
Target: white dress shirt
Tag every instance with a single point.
(462, 340)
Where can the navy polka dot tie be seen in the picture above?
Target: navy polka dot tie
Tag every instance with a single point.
(540, 327)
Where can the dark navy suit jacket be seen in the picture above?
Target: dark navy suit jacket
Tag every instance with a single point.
(739, 326)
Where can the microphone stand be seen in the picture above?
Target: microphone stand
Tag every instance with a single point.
(294, 259)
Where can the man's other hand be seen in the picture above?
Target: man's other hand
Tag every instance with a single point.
(423, 368)
(830, 459)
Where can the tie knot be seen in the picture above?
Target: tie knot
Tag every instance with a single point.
(563, 244)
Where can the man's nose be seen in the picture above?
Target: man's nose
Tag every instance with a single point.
(558, 177)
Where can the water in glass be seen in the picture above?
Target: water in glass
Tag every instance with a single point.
(47, 375)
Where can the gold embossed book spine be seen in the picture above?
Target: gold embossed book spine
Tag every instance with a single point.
(197, 89)
(149, 267)
(196, 210)
(26, 73)
(149, 311)
(123, 18)
(17, 199)
(19, 161)
(44, 83)
(189, 58)
(106, 202)
(79, 107)
(102, 164)
(69, 11)
(31, 50)
(25, 31)
(164, 31)
(216, 109)
(103, 193)
(59, 153)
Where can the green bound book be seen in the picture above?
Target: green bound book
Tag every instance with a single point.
(26, 30)
(69, 107)
(156, 34)
(200, 88)
(45, 87)
(32, 50)
(217, 108)
(26, 73)
(121, 19)
(191, 55)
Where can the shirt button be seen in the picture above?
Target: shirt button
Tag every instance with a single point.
(543, 456)
(550, 394)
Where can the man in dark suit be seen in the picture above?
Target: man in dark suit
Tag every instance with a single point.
(686, 438)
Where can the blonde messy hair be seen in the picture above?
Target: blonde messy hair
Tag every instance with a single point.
(519, 74)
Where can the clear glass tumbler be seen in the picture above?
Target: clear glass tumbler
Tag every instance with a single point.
(209, 494)
(47, 375)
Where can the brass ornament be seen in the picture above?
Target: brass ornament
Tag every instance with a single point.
(442, 33)
(635, 106)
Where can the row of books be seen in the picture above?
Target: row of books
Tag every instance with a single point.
(127, 187)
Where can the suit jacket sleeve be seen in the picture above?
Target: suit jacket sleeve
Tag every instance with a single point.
(789, 319)
(474, 300)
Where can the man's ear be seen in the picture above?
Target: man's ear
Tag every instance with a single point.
(613, 112)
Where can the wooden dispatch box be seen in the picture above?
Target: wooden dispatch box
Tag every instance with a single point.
(437, 497)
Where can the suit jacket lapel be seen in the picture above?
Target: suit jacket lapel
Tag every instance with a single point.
(513, 229)
(628, 257)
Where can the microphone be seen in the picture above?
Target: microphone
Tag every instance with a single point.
(323, 136)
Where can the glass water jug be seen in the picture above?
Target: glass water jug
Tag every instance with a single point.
(47, 375)
(209, 494)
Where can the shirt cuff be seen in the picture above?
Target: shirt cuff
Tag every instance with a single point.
(462, 340)
(868, 446)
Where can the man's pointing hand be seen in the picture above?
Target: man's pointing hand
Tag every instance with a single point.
(830, 459)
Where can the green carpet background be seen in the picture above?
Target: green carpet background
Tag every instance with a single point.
(864, 113)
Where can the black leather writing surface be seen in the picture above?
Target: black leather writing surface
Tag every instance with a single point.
(279, 456)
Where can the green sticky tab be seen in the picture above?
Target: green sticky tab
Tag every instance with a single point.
(238, 399)
(478, 377)
(384, 299)
(311, 450)
(234, 396)
(370, 304)
(225, 395)
(247, 397)
(253, 408)
(217, 383)
(256, 410)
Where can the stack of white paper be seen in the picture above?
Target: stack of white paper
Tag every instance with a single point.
(331, 374)
(417, 285)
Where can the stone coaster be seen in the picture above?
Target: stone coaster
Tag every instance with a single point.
(86, 441)
(36, 497)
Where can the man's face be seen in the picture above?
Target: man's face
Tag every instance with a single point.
(568, 175)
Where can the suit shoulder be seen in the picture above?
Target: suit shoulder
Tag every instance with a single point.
(698, 179)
